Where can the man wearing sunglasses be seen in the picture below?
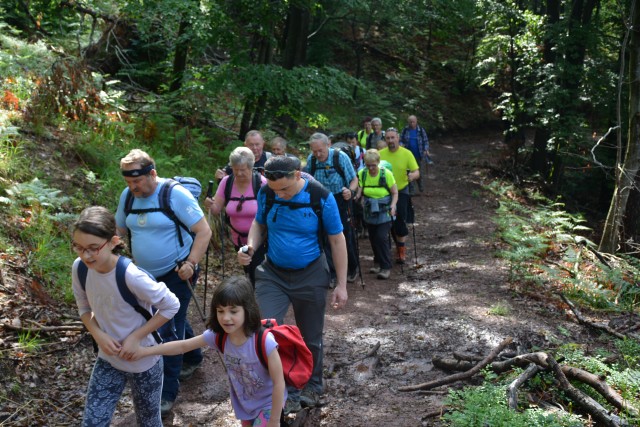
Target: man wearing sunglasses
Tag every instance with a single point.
(295, 270)
(156, 247)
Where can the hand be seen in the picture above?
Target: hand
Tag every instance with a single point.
(130, 347)
(220, 174)
(244, 258)
(346, 193)
(108, 345)
(393, 210)
(186, 270)
(339, 297)
(208, 203)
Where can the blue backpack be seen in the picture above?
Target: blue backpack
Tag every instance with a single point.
(125, 292)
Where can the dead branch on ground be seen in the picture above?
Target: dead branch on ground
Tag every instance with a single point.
(461, 376)
(512, 390)
(582, 320)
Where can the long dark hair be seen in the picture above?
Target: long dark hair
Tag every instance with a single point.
(98, 221)
(236, 290)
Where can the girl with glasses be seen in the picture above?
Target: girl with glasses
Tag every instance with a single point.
(116, 327)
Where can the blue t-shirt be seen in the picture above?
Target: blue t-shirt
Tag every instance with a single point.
(154, 242)
(328, 176)
(250, 384)
(293, 233)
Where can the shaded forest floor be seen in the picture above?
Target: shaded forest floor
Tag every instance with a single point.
(440, 302)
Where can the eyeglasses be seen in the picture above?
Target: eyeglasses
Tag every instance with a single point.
(392, 130)
(275, 175)
(93, 251)
(240, 202)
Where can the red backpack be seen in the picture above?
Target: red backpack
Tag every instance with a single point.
(297, 361)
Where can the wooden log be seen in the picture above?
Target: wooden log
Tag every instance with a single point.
(512, 390)
(589, 405)
(461, 376)
(584, 321)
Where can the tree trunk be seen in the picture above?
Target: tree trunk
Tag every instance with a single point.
(627, 172)
(180, 56)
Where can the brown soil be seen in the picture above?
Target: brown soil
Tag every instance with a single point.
(439, 302)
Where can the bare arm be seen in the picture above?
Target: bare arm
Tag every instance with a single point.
(171, 348)
(414, 175)
(198, 249)
(107, 344)
(214, 205)
(254, 240)
(277, 396)
(339, 256)
(394, 199)
(130, 343)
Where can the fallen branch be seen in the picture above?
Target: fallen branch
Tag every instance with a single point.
(41, 328)
(582, 320)
(440, 412)
(371, 353)
(461, 376)
(587, 403)
(512, 390)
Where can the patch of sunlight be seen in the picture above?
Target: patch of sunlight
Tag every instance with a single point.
(468, 224)
(452, 244)
(418, 291)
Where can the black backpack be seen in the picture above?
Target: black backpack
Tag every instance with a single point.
(382, 182)
(349, 151)
(335, 165)
(256, 183)
(317, 193)
(164, 201)
(125, 292)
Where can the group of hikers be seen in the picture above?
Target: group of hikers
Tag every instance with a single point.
(294, 230)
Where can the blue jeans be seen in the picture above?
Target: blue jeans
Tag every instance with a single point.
(176, 329)
(306, 290)
(106, 386)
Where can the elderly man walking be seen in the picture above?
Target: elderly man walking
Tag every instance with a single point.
(333, 169)
(405, 170)
(415, 139)
(254, 142)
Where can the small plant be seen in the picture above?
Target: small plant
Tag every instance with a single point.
(29, 342)
(499, 309)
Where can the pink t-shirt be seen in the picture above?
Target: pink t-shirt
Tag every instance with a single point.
(240, 219)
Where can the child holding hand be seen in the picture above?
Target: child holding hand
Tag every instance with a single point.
(117, 328)
(257, 394)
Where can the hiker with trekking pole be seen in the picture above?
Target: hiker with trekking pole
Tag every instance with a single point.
(377, 186)
(168, 236)
(236, 197)
(405, 170)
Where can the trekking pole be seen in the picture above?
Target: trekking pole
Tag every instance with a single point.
(413, 230)
(193, 295)
(355, 237)
(206, 266)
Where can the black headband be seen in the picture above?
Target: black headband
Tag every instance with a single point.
(138, 172)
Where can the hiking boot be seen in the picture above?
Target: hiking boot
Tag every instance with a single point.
(384, 274)
(375, 269)
(187, 371)
(402, 255)
(165, 407)
(309, 398)
(292, 406)
(353, 276)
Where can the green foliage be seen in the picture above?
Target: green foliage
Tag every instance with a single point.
(487, 405)
(29, 342)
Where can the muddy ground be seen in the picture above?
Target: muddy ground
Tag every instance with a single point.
(439, 302)
(386, 337)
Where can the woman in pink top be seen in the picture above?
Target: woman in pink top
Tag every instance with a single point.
(241, 206)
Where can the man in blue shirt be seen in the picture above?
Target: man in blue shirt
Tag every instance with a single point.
(414, 138)
(341, 180)
(295, 270)
(156, 247)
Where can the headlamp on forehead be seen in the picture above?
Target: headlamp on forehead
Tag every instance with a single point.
(138, 172)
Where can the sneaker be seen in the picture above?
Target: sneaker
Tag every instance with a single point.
(353, 276)
(375, 269)
(309, 398)
(292, 406)
(165, 407)
(384, 274)
(187, 371)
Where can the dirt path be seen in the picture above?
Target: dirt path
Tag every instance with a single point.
(440, 306)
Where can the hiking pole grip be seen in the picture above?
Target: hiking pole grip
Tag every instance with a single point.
(210, 189)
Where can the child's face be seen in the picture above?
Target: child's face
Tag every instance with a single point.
(231, 318)
(93, 250)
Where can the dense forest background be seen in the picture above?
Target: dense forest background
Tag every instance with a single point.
(83, 82)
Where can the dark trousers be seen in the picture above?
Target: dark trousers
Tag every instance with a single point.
(346, 211)
(380, 244)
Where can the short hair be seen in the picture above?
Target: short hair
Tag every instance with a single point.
(280, 166)
(376, 120)
(279, 140)
(366, 119)
(253, 133)
(350, 135)
(137, 156)
(235, 290)
(242, 156)
(372, 155)
(319, 136)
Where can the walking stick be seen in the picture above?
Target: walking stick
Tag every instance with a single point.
(355, 237)
(413, 230)
(206, 266)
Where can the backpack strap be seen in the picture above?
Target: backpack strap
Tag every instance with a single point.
(123, 288)
(336, 165)
(260, 341)
(382, 181)
(221, 340)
